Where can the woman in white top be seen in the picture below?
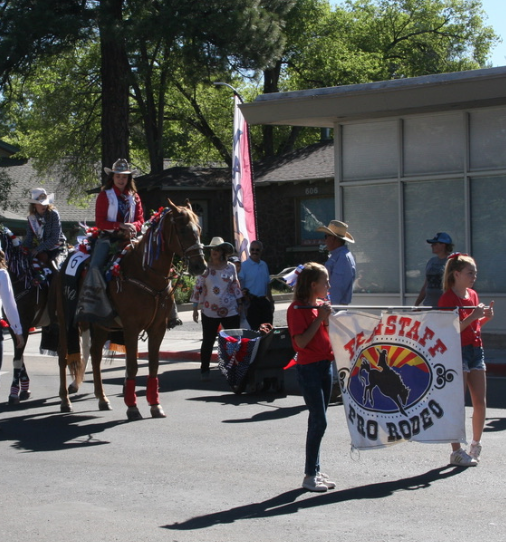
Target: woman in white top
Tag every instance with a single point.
(218, 294)
(8, 303)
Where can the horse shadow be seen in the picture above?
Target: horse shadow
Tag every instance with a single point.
(49, 433)
(286, 503)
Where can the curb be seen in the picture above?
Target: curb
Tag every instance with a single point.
(494, 370)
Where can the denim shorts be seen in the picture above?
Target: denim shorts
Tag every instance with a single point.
(473, 358)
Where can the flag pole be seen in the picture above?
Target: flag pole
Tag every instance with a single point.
(386, 307)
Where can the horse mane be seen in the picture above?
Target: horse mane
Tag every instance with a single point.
(152, 240)
(18, 263)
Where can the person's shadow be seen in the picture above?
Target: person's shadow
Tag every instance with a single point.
(286, 503)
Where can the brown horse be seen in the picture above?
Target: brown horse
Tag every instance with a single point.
(141, 297)
(31, 287)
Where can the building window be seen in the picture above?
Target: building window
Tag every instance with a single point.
(488, 221)
(370, 150)
(430, 207)
(372, 215)
(488, 139)
(434, 144)
(313, 213)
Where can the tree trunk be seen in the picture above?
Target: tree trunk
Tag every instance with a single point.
(115, 84)
(271, 84)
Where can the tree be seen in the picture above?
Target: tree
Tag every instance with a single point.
(372, 40)
(142, 42)
(71, 109)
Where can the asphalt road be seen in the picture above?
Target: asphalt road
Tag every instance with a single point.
(223, 467)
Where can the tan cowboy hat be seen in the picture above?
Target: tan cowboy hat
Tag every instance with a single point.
(39, 195)
(337, 229)
(120, 166)
(218, 242)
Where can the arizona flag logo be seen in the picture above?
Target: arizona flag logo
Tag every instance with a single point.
(400, 376)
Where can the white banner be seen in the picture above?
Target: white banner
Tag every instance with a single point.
(400, 375)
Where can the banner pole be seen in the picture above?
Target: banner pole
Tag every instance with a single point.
(386, 307)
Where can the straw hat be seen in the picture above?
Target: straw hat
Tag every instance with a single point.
(218, 242)
(39, 195)
(120, 166)
(337, 229)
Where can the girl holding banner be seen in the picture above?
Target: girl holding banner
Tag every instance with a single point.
(310, 339)
(459, 277)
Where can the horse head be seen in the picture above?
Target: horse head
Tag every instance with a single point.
(188, 246)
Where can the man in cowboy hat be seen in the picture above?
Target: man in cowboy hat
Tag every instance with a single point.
(342, 271)
(255, 281)
(341, 264)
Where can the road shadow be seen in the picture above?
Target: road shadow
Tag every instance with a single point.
(287, 503)
(54, 432)
(494, 424)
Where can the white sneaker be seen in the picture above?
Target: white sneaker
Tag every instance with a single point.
(475, 451)
(313, 483)
(461, 458)
(324, 478)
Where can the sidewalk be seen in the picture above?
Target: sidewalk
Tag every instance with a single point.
(183, 342)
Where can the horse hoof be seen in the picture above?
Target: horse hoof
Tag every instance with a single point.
(73, 388)
(104, 405)
(133, 414)
(157, 412)
(24, 395)
(13, 400)
(65, 408)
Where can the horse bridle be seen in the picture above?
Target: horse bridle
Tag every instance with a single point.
(199, 247)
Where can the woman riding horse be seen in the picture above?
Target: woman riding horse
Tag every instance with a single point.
(31, 293)
(119, 216)
(141, 295)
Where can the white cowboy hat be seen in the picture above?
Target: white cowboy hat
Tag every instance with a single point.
(218, 242)
(337, 229)
(39, 195)
(120, 166)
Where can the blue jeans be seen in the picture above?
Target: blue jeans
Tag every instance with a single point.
(315, 381)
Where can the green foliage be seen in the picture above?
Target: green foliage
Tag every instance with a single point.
(182, 282)
(53, 59)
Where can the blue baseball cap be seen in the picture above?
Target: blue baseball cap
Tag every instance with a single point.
(441, 237)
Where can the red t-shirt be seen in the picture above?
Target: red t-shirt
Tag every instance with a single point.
(472, 334)
(319, 347)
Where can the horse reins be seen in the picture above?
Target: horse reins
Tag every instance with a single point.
(165, 293)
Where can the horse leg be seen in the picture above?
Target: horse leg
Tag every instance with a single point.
(85, 349)
(152, 392)
(130, 397)
(25, 384)
(97, 345)
(15, 385)
(65, 405)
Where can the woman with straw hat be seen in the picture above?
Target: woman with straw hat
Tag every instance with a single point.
(218, 295)
(44, 236)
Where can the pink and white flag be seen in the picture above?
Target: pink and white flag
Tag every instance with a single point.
(243, 196)
(400, 375)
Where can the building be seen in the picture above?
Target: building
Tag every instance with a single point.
(412, 157)
(23, 178)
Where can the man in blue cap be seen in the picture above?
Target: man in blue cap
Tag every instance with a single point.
(442, 247)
